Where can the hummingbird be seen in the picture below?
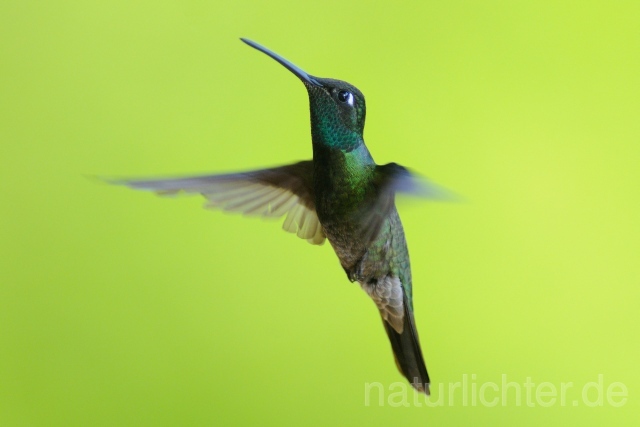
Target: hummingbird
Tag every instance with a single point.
(342, 196)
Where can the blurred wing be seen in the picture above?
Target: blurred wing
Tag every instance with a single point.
(392, 179)
(270, 192)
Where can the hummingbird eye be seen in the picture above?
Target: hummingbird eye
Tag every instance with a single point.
(345, 96)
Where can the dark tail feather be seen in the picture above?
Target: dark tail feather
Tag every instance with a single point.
(406, 349)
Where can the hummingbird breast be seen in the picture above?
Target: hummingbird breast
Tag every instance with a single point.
(346, 197)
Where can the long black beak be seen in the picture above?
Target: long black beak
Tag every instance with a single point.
(302, 75)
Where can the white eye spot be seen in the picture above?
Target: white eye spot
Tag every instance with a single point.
(350, 99)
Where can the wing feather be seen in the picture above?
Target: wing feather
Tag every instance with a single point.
(275, 192)
(392, 179)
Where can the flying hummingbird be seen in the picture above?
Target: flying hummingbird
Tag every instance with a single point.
(341, 195)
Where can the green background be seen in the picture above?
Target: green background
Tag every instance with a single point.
(121, 309)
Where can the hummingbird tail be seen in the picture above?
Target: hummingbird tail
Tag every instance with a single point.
(406, 350)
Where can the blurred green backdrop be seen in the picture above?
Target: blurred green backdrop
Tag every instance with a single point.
(121, 309)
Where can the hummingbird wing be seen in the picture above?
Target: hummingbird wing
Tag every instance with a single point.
(275, 192)
(392, 179)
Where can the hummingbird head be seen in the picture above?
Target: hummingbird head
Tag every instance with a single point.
(337, 108)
